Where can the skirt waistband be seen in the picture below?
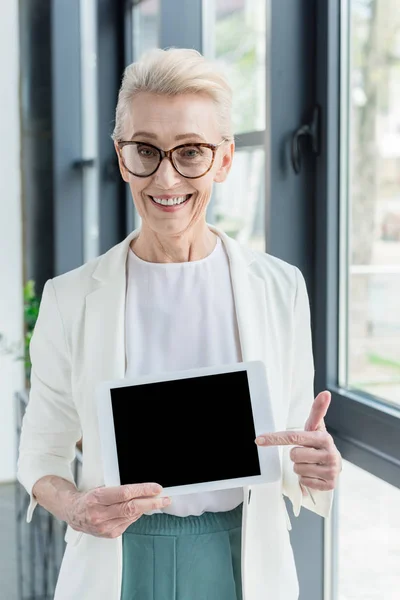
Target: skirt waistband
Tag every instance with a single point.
(166, 524)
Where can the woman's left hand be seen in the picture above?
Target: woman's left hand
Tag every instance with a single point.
(316, 459)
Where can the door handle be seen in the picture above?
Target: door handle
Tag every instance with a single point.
(311, 130)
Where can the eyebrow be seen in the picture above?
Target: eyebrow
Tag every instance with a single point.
(181, 136)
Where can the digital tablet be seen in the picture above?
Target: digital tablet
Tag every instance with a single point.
(189, 431)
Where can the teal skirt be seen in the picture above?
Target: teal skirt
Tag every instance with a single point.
(183, 558)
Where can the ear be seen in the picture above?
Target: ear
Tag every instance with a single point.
(123, 171)
(226, 163)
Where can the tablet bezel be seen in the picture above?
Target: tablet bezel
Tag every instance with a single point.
(262, 417)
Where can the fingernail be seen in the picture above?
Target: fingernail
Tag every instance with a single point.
(260, 440)
(166, 501)
(157, 489)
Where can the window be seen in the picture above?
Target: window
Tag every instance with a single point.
(145, 34)
(364, 414)
(370, 269)
(237, 206)
(89, 107)
(235, 37)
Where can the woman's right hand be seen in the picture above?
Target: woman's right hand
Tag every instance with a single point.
(108, 511)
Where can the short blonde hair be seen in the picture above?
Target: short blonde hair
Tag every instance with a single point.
(171, 72)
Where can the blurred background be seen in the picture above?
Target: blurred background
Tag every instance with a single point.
(315, 181)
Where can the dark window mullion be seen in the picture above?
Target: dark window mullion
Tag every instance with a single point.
(368, 436)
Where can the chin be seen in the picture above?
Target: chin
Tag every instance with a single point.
(169, 226)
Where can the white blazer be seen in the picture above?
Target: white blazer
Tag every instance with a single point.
(79, 339)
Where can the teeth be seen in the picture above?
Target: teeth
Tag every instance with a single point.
(170, 201)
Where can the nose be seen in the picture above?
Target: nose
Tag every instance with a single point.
(166, 176)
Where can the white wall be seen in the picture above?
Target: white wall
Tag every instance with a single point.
(11, 278)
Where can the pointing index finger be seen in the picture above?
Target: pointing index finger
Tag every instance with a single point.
(310, 439)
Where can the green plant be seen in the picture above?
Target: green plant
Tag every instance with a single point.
(31, 311)
(376, 359)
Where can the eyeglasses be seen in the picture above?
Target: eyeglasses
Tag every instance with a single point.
(189, 160)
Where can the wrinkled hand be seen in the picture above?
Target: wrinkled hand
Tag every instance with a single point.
(316, 459)
(108, 511)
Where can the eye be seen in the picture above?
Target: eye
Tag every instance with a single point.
(191, 152)
(146, 151)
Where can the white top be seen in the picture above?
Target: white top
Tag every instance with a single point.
(181, 316)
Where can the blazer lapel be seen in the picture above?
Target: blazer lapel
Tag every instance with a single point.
(250, 298)
(258, 317)
(105, 316)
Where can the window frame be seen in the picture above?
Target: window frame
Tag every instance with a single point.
(365, 429)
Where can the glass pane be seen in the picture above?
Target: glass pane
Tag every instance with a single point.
(145, 26)
(368, 537)
(371, 197)
(91, 197)
(145, 35)
(237, 204)
(238, 28)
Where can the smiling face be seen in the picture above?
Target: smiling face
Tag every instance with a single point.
(171, 121)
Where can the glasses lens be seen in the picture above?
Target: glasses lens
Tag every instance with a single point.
(192, 161)
(140, 159)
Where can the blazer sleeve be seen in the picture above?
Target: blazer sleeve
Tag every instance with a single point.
(51, 426)
(301, 400)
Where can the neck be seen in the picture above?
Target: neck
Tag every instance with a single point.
(195, 244)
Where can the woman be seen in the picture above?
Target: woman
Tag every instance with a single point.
(175, 294)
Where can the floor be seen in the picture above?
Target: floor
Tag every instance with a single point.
(8, 547)
(41, 548)
(368, 537)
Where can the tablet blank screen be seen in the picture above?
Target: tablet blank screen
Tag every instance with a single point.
(185, 431)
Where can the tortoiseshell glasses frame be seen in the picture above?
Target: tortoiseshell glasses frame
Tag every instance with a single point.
(168, 154)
